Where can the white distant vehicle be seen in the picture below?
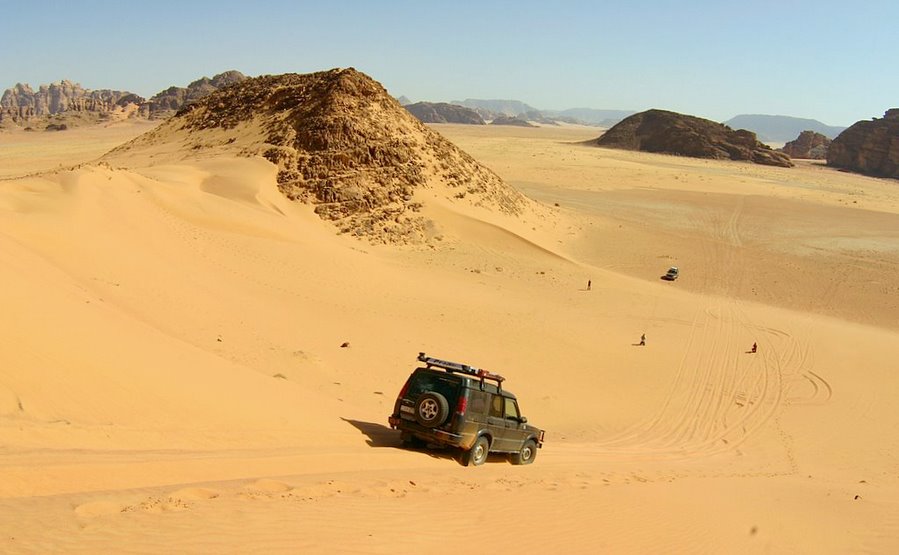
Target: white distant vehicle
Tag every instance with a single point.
(672, 274)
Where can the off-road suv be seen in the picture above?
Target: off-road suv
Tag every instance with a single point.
(456, 405)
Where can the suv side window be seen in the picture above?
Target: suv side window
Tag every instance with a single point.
(511, 409)
(478, 401)
(496, 407)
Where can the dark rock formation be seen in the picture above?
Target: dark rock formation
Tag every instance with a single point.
(21, 103)
(809, 144)
(672, 133)
(341, 143)
(166, 103)
(506, 120)
(869, 147)
(441, 112)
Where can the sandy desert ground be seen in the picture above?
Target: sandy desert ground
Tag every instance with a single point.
(172, 377)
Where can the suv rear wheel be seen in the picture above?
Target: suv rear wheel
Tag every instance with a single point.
(431, 409)
(477, 455)
(527, 454)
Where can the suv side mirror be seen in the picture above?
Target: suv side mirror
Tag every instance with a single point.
(523, 419)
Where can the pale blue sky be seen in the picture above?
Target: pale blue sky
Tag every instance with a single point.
(834, 61)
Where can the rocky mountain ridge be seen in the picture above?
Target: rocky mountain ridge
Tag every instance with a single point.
(21, 103)
(23, 106)
(166, 103)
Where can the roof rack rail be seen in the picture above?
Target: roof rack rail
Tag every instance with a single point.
(462, 368)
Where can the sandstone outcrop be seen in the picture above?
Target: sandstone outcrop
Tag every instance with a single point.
(21, 103)
(869, 147)
(672, 133)
(441, 112)
(341, 143)
(809, 145)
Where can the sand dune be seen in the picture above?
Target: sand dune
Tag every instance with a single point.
(172, 376)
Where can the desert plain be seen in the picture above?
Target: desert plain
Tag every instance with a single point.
(192, 363)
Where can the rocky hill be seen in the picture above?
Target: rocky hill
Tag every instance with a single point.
(869, 147)
(672, 133)
(808, 145)
(441, 112)
(21, 104)
(509, 120)
(780, 129)
(166, 103)
(341, 143)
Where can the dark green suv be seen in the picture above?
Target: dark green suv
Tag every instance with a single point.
(456, 405)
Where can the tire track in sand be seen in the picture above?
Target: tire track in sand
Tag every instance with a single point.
(721, 395)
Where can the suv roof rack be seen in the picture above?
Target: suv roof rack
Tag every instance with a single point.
(463, 368)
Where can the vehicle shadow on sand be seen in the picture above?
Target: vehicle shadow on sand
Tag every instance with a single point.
(379, 435)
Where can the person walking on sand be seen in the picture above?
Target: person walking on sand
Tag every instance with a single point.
(643, 340)
(589, 283)
(755, 347)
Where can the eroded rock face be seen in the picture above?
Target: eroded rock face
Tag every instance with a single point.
(167, 102)
(21, 103)
(441, 112)
(809, 145)
(869, 147)
(341, 143)
(672, 133)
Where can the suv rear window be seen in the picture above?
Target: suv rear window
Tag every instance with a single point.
(441, 383)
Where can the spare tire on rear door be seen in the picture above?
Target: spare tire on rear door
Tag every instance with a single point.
(431, 409)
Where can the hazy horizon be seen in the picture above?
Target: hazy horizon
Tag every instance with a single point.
(824, 60)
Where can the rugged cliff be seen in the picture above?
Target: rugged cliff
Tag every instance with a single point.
(809, 144)
(869, 147)
(21, 103)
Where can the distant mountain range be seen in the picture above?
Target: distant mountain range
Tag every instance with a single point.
(510, 108)
(781, 128)
(502, 109)
(603, 118)
(21, 106)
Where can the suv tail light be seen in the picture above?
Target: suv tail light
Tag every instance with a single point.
(462, 404)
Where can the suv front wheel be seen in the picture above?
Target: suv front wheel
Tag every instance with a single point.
(527, 454)
(431, 409)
